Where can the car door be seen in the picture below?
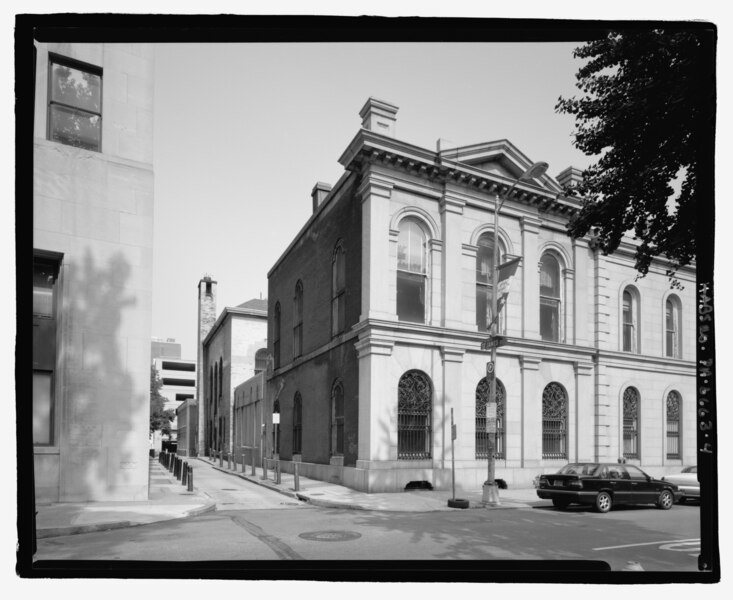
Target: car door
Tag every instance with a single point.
(643, 489)
(618, 482)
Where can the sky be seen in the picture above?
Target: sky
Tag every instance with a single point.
(244, 131)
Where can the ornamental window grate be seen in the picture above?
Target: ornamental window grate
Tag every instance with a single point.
(673, 424)
(414, 416)
(482, 437)
(554, 422)
(631, 422)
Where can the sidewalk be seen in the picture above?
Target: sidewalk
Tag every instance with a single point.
(167, 499)
(322, 493)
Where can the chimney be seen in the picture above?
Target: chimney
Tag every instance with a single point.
(570, 177)
(379, 116)
(319, 193)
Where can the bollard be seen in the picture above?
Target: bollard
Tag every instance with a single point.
(175, 466)
(170, 463)
(296, 477)
(264, 469)
(253, 462)
(229, 461)
(184, 476)
(277, 472)
(190, 478)
(221, 459)
(179, 473)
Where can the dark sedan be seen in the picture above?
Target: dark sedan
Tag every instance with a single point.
(602, 485)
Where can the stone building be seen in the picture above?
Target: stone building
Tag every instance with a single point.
(92, 271)
(379, 306)
(232, 349)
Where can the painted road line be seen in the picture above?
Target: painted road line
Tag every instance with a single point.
(648, 544)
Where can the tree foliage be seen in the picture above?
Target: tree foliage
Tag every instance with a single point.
(647, 111)
(160, 419)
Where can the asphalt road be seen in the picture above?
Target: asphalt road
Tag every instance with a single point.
(252, 523)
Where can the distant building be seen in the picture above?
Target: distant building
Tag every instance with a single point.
(379, 306)
(167, 348)
(92, 270)
(178, 377)
(232, 349)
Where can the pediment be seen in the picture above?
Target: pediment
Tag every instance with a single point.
(500, 157)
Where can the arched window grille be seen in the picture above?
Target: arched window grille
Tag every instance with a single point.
(276, 427)
(482, 437)
(338, 291)
(298, 320)
(550, 299)
(629, 321)
(297, 424)
(412, 271)
(414, 416)
(631, 422)
(673, 347)
(337, 419)
(484, 283)
(260, 360)
(554, 422)
(276, 336)
(674, 401)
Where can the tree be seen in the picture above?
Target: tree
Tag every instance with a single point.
(647, 111)
(160, 419)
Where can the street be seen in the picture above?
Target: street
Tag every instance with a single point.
(254, 523)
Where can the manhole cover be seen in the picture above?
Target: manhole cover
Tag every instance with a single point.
(330, 536)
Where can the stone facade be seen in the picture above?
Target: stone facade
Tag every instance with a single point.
(574, 354)
(93, 218)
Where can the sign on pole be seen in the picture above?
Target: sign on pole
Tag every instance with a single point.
(491, 410)
(490, 370)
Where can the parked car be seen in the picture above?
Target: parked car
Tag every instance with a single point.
(687, 483)
(603, 485)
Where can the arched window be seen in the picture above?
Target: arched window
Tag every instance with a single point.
(337, 419)
(211, 387)
(482, 437)
(276, 426)
(672, 343)
(629, 320)
(276, 336)
(631, 422)
(484, 283)
(297, 424)
(554, 421)
(550, 299)
(260, 360)
(414, 416)
(412, 271)
(298, 320)
(338, 291)
(215, 399)
(221, 377)
(674, 402)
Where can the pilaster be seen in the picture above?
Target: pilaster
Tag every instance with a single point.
(451, 214)
(530, 227)
(581, 294)
(584, 412)
(531, 451)
(569, 312)
(451, 393)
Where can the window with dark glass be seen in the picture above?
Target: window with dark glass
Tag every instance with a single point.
(298, 320)
(276, 336)
(672, 328)
(297, 424)
(631, 422)
(337, 419)
(75, 103)
(674, 401)
(45, 275)
(484, 270)
(628, 321)
(482, 437)
(414, 416)
(554, 422)
(412, 272)
(550, 298)
(338, 291)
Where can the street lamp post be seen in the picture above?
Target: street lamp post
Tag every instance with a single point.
(490, 490)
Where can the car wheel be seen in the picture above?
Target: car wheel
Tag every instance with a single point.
(665, 500)
(604, 502)
(560, 502)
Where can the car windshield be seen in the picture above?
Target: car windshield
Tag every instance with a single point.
(689, 470)
(581, 469)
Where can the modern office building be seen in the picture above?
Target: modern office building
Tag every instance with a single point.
(379, 306)
(178, 377)
(92, 270)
